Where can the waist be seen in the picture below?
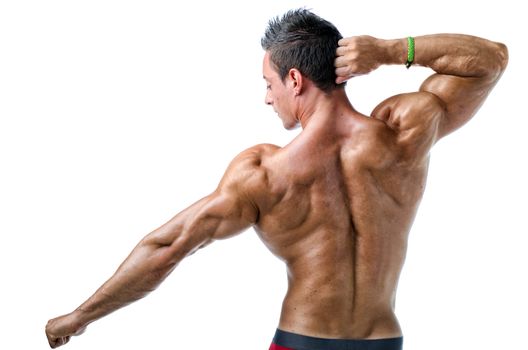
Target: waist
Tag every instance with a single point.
(338, 317)
(292, 341)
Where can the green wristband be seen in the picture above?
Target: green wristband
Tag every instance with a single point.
(410, 52)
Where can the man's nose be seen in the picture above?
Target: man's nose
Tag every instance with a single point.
(268, 100)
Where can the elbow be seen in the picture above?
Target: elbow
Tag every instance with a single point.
(169, 256)
(502, 56)
(162, 257)
(500, 61)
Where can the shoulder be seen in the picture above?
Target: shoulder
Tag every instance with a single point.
(409, 110)
(251, 159)
(415, 119)
(246, 173)
(256, 152)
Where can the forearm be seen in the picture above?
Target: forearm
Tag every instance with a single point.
(144, 269)
(451, 54)
(153, 260)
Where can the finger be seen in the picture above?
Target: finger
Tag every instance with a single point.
(340, 80)
(340, 62)
(343, 72)
(341, 50)
(65, 340)
(343, 41)
(51, 339)
(55, 343)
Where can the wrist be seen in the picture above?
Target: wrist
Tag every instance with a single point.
(395, 51)
(80, 318)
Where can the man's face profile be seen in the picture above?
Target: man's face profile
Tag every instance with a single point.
(278, 94)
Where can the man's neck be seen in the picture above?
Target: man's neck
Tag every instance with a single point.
(321, 106)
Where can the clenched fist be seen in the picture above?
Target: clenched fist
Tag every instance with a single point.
(59, 330)
(358, 55)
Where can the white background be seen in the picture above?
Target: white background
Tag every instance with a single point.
(116, 115)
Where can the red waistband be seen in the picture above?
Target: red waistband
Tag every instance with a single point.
(278, 347)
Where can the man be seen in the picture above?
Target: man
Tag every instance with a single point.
(337, 203)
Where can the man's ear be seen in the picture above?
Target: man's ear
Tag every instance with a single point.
(297, 81)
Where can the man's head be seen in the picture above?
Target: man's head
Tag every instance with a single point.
(301, 43)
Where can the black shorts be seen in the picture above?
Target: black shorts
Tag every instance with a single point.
(291, 341)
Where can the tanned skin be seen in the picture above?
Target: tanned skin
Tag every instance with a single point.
(337, 203)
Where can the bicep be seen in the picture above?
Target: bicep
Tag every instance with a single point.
(462, 97)
(224, 213)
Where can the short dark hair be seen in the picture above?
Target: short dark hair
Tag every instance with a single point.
(303, 40)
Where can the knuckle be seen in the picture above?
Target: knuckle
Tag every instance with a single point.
(353, 67)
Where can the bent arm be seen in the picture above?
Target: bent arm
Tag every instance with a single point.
(466, 69)
(226, 212)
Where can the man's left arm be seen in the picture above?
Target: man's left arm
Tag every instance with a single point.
(224, 213)
(465, 67)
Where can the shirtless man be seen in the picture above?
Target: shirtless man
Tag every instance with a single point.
(337, 203)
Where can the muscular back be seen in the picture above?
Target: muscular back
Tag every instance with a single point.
(337, 203)
(340, 202)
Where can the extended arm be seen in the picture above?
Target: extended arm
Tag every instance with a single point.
(224, 213)
(466, 67)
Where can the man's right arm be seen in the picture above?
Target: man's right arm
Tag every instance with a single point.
(229, 210)
(466, 69)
